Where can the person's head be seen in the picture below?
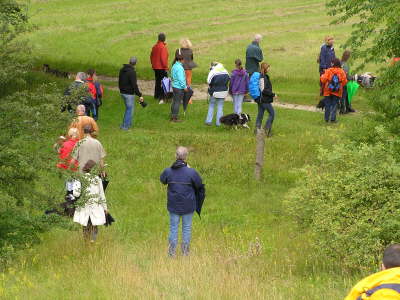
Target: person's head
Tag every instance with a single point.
(161, 37)
(87, 129)
(179, 57)
(73, 133)
(257, 38)
(181, 153)
(80, 110)
(346, 55)
(91, 72)
(336, 63)
(391, 257)
(133, 61)
(238, 64)
(186, 43)
(80, 76)
(88, 166)
(329, 40)
(264, 67)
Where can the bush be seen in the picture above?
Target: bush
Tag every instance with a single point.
(350, 201)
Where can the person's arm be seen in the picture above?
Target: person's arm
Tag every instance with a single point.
(324, 58)
(164, 177)
(133, 82)
(259, 55)
(182, 78)
(196, 180)
(164, 58)
(324, 77)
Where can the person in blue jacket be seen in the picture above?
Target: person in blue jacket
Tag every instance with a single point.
(327, 55)
(182, 182)
(179, 86)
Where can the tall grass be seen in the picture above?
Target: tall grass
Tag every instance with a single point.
(244, 246)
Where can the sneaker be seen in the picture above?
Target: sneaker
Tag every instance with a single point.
(208, 124)
(161, 102)
(185, 249)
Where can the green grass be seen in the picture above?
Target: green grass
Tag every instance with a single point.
(244, 246)
(77, 35)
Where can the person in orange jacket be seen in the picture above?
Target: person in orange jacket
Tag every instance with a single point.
(384, 285)
(159, 63)
(333, 81)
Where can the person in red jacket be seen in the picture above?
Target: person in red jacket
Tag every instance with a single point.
(333, 81)
(66, 146)
(159, 62)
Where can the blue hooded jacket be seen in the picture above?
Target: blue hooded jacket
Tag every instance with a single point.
(182, 185)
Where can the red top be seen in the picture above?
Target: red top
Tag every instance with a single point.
(327, 77)
(65, 154)
(159, 56)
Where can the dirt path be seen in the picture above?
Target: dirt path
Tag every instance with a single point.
(200, 93)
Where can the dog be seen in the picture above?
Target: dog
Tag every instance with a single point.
(234, 120)
(55, 72)
(366, 80)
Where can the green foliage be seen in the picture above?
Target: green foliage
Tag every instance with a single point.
(376, 27)
(350, 201)
(14, 51)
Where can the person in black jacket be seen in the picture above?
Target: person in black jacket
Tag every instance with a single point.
(128, 88)
(183, 182)
(265, 100)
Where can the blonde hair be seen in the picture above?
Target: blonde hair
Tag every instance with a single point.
(73, 133)
(185, 43)
(328, 37)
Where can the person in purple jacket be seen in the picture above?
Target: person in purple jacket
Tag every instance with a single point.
(239, 86)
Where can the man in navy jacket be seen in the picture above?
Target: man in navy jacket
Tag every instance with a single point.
(327, 55)
(183, 182)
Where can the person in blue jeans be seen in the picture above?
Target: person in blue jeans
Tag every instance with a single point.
(265, 100)
(218, 79)
(128, 88)
(182, 182)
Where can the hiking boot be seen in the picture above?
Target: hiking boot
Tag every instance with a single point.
(268, 132)
(185, 249)
(171, 250)
(351, 110)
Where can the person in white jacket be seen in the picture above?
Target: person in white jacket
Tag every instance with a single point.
(93, 213)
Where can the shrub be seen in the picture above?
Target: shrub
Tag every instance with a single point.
(350, 201)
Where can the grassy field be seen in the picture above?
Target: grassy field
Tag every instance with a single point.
(244, 246)
(77, 35)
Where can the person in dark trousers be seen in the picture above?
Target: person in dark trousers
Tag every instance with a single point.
(128, 88)
(325, 59)
(345, 106)
(188, 64)
(333, 91)
(179, 87)
(183, 182)
(254, 55)
(265, 101)
(159, 63)
(96, 91)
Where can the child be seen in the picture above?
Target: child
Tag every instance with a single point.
(238, 86)
(265, 100)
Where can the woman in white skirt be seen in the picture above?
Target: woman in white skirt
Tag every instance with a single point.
(94, 212)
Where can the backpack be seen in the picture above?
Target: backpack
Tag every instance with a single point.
(334, 84)
(390, 286)
(254, 85)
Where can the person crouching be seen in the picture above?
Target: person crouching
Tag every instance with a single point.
(182, 183)
(93, 213)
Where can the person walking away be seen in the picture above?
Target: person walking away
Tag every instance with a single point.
(179, 87)
(96, 91)
(265, 101)
(188, 64)
(82, 120)
(238, 86)
(254, 55)
(384, 285)
(333, 81)
(218, 79)
(128, 88)
(66, 148)
(93, 213)
(159, 63)
(77, 93)
(345, 105)
(88, 149)
(183, 182)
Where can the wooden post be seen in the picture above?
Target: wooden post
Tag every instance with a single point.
(260, 143)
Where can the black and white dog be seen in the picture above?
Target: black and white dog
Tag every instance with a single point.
(55, 72)
(234, 120)
(366, 80)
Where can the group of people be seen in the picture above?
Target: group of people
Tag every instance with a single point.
(334, 76)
